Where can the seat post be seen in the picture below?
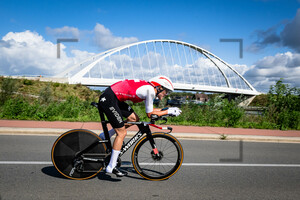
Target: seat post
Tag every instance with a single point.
(104, 127)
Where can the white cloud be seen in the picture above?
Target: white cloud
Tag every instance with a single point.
(104, 38)
(66, 32)
(28, 53)
(270, 69)
(99, 36)
(241, 69)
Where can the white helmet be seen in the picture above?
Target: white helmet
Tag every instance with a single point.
(164, 81)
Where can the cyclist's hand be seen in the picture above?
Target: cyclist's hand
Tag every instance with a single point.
(173, 108)
(174, 111)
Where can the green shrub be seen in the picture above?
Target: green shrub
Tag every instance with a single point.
(71, 107)
(8, 87)
(56, 84)
(14, 108)
(27, 82)
(284, 106)
(46, 94)
(232, 113)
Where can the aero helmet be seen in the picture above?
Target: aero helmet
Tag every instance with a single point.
(164, 81)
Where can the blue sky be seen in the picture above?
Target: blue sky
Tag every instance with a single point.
(268, 28)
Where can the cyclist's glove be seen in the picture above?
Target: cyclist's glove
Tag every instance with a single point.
(174, 111)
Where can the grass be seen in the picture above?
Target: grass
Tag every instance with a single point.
(59, 91)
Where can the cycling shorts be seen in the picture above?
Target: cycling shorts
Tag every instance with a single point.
(114, 109)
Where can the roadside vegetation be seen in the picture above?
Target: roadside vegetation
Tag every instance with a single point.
(34, 100)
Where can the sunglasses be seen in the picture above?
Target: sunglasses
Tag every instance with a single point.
(168, 91)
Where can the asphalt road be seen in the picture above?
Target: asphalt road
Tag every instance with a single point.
(211, 170)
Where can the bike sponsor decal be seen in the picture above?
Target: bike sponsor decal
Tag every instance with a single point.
(116, 114)
(91, 159)
(72, 171)
(129, 108)
(103, 99)
(131, 142)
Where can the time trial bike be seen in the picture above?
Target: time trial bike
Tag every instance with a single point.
(81, 154)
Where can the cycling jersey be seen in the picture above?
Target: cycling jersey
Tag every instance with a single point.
(135, 91)
(112, 100)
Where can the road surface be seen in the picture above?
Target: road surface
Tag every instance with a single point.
(211, 170)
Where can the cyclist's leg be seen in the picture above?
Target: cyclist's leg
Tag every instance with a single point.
(121, 134)
(132, 118)
(111, 168)
(111, 132)
(126, 112)
(110, 105)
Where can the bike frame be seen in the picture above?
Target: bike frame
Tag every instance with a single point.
(143, 129)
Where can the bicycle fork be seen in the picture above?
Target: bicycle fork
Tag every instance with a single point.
(145, 128)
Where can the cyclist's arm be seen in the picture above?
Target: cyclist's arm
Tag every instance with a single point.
(157, 111)
(148, 93)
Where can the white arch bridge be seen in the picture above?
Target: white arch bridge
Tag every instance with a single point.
(190, 67)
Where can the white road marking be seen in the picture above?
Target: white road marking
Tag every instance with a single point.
(183, 164)
(25, 162)
(240, 165)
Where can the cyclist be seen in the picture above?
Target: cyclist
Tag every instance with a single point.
(112, 102)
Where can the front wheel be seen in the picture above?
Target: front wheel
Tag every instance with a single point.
(160, 163)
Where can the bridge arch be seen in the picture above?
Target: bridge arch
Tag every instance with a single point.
(190, 67)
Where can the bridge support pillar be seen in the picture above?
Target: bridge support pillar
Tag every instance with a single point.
(247, 101)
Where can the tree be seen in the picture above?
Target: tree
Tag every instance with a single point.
(284, 105)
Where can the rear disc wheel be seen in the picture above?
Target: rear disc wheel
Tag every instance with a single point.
(64, 151)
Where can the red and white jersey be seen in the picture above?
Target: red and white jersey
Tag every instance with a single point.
(135, 91)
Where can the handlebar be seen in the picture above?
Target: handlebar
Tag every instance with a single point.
(155, 118)
(163, 117)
